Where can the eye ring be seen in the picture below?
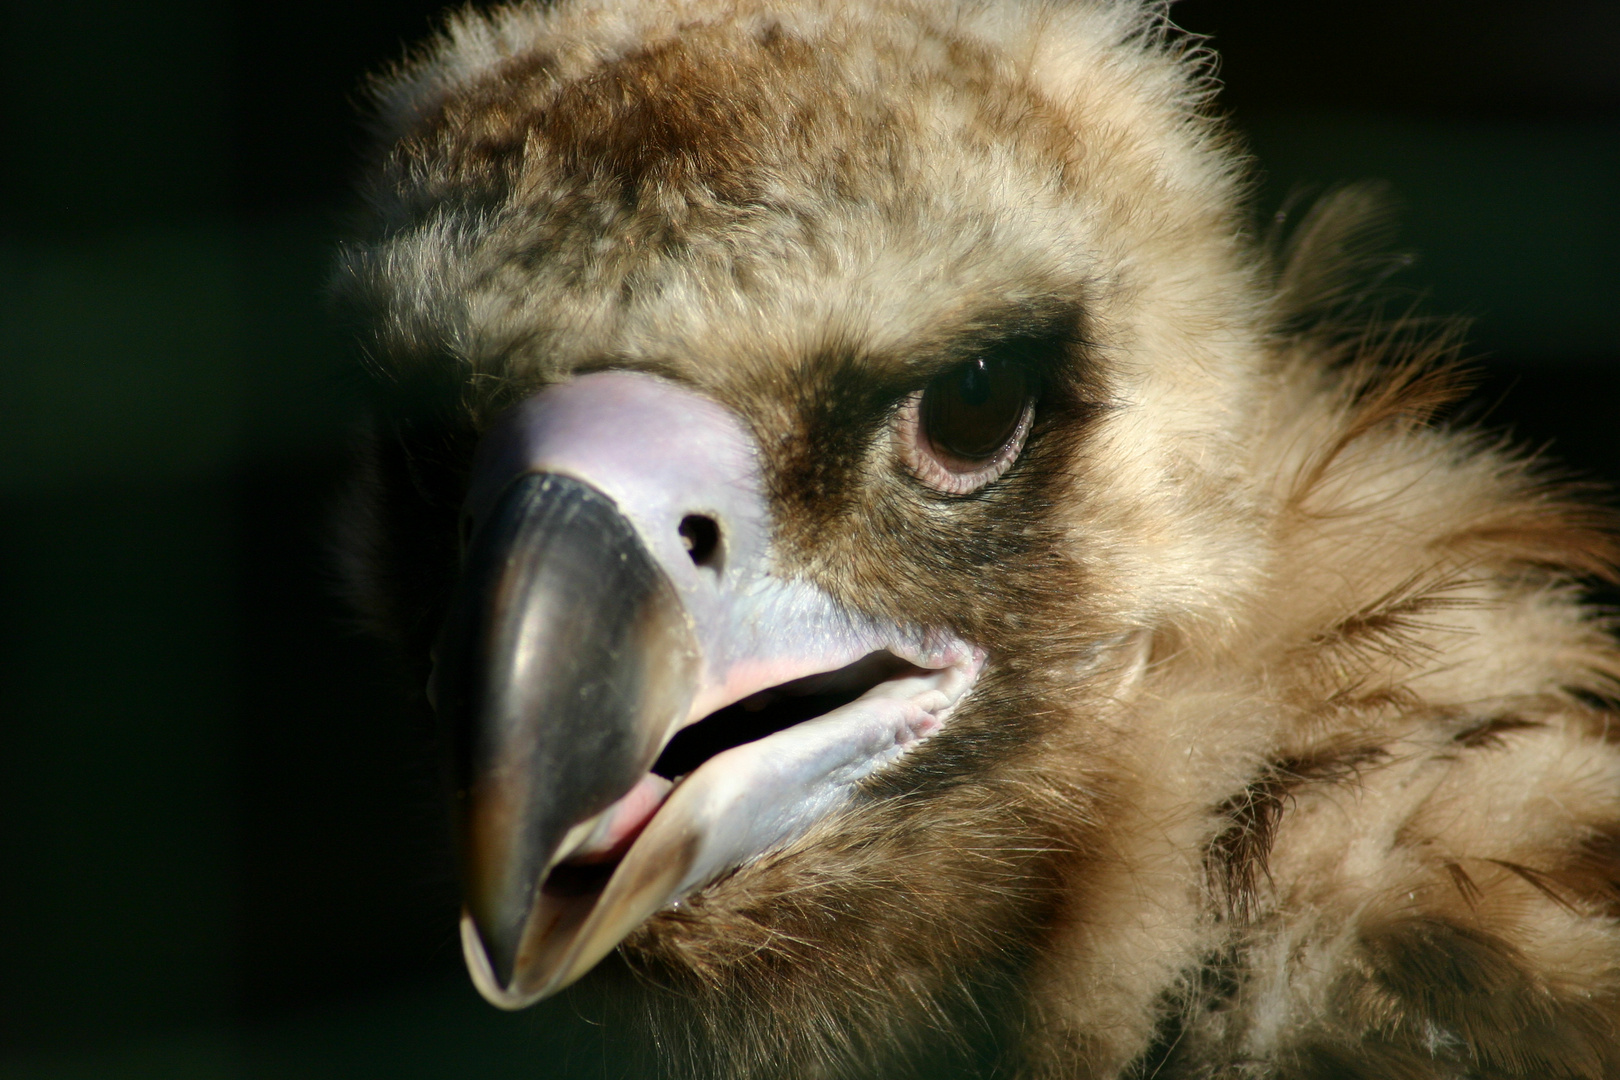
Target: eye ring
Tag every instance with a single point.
(967, 427)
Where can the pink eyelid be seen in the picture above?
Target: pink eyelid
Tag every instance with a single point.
(942, 473)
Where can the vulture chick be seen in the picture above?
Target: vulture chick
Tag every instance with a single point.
(893, 556)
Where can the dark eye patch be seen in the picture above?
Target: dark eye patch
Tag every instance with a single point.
(842, 399)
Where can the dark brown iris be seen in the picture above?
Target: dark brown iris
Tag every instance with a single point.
(971, 411)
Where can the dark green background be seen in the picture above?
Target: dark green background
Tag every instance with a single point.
(220, 849)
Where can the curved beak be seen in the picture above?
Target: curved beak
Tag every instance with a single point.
(617, 590)
(566, 660)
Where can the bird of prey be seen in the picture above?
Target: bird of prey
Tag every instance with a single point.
(899, 558)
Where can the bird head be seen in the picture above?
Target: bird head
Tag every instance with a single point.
(798, 426)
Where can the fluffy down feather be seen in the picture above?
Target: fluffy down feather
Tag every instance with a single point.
(1295, 757)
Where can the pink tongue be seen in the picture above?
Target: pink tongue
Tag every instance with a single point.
(625, 820)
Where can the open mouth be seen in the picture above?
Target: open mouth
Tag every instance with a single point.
(769, 711)
(743, 782)
(590, 860)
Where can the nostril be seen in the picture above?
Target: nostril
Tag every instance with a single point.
(701, 535)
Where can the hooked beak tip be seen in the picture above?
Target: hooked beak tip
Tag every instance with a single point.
(567, 656)
(497, 941)
(494, 988)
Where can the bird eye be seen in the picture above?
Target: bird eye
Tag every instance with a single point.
(967, 426)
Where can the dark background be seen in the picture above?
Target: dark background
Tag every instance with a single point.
(220, 851)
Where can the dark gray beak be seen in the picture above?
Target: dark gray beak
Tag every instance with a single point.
(566, 659)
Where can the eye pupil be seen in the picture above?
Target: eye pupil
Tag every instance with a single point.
(973, 387)
(971, 411)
